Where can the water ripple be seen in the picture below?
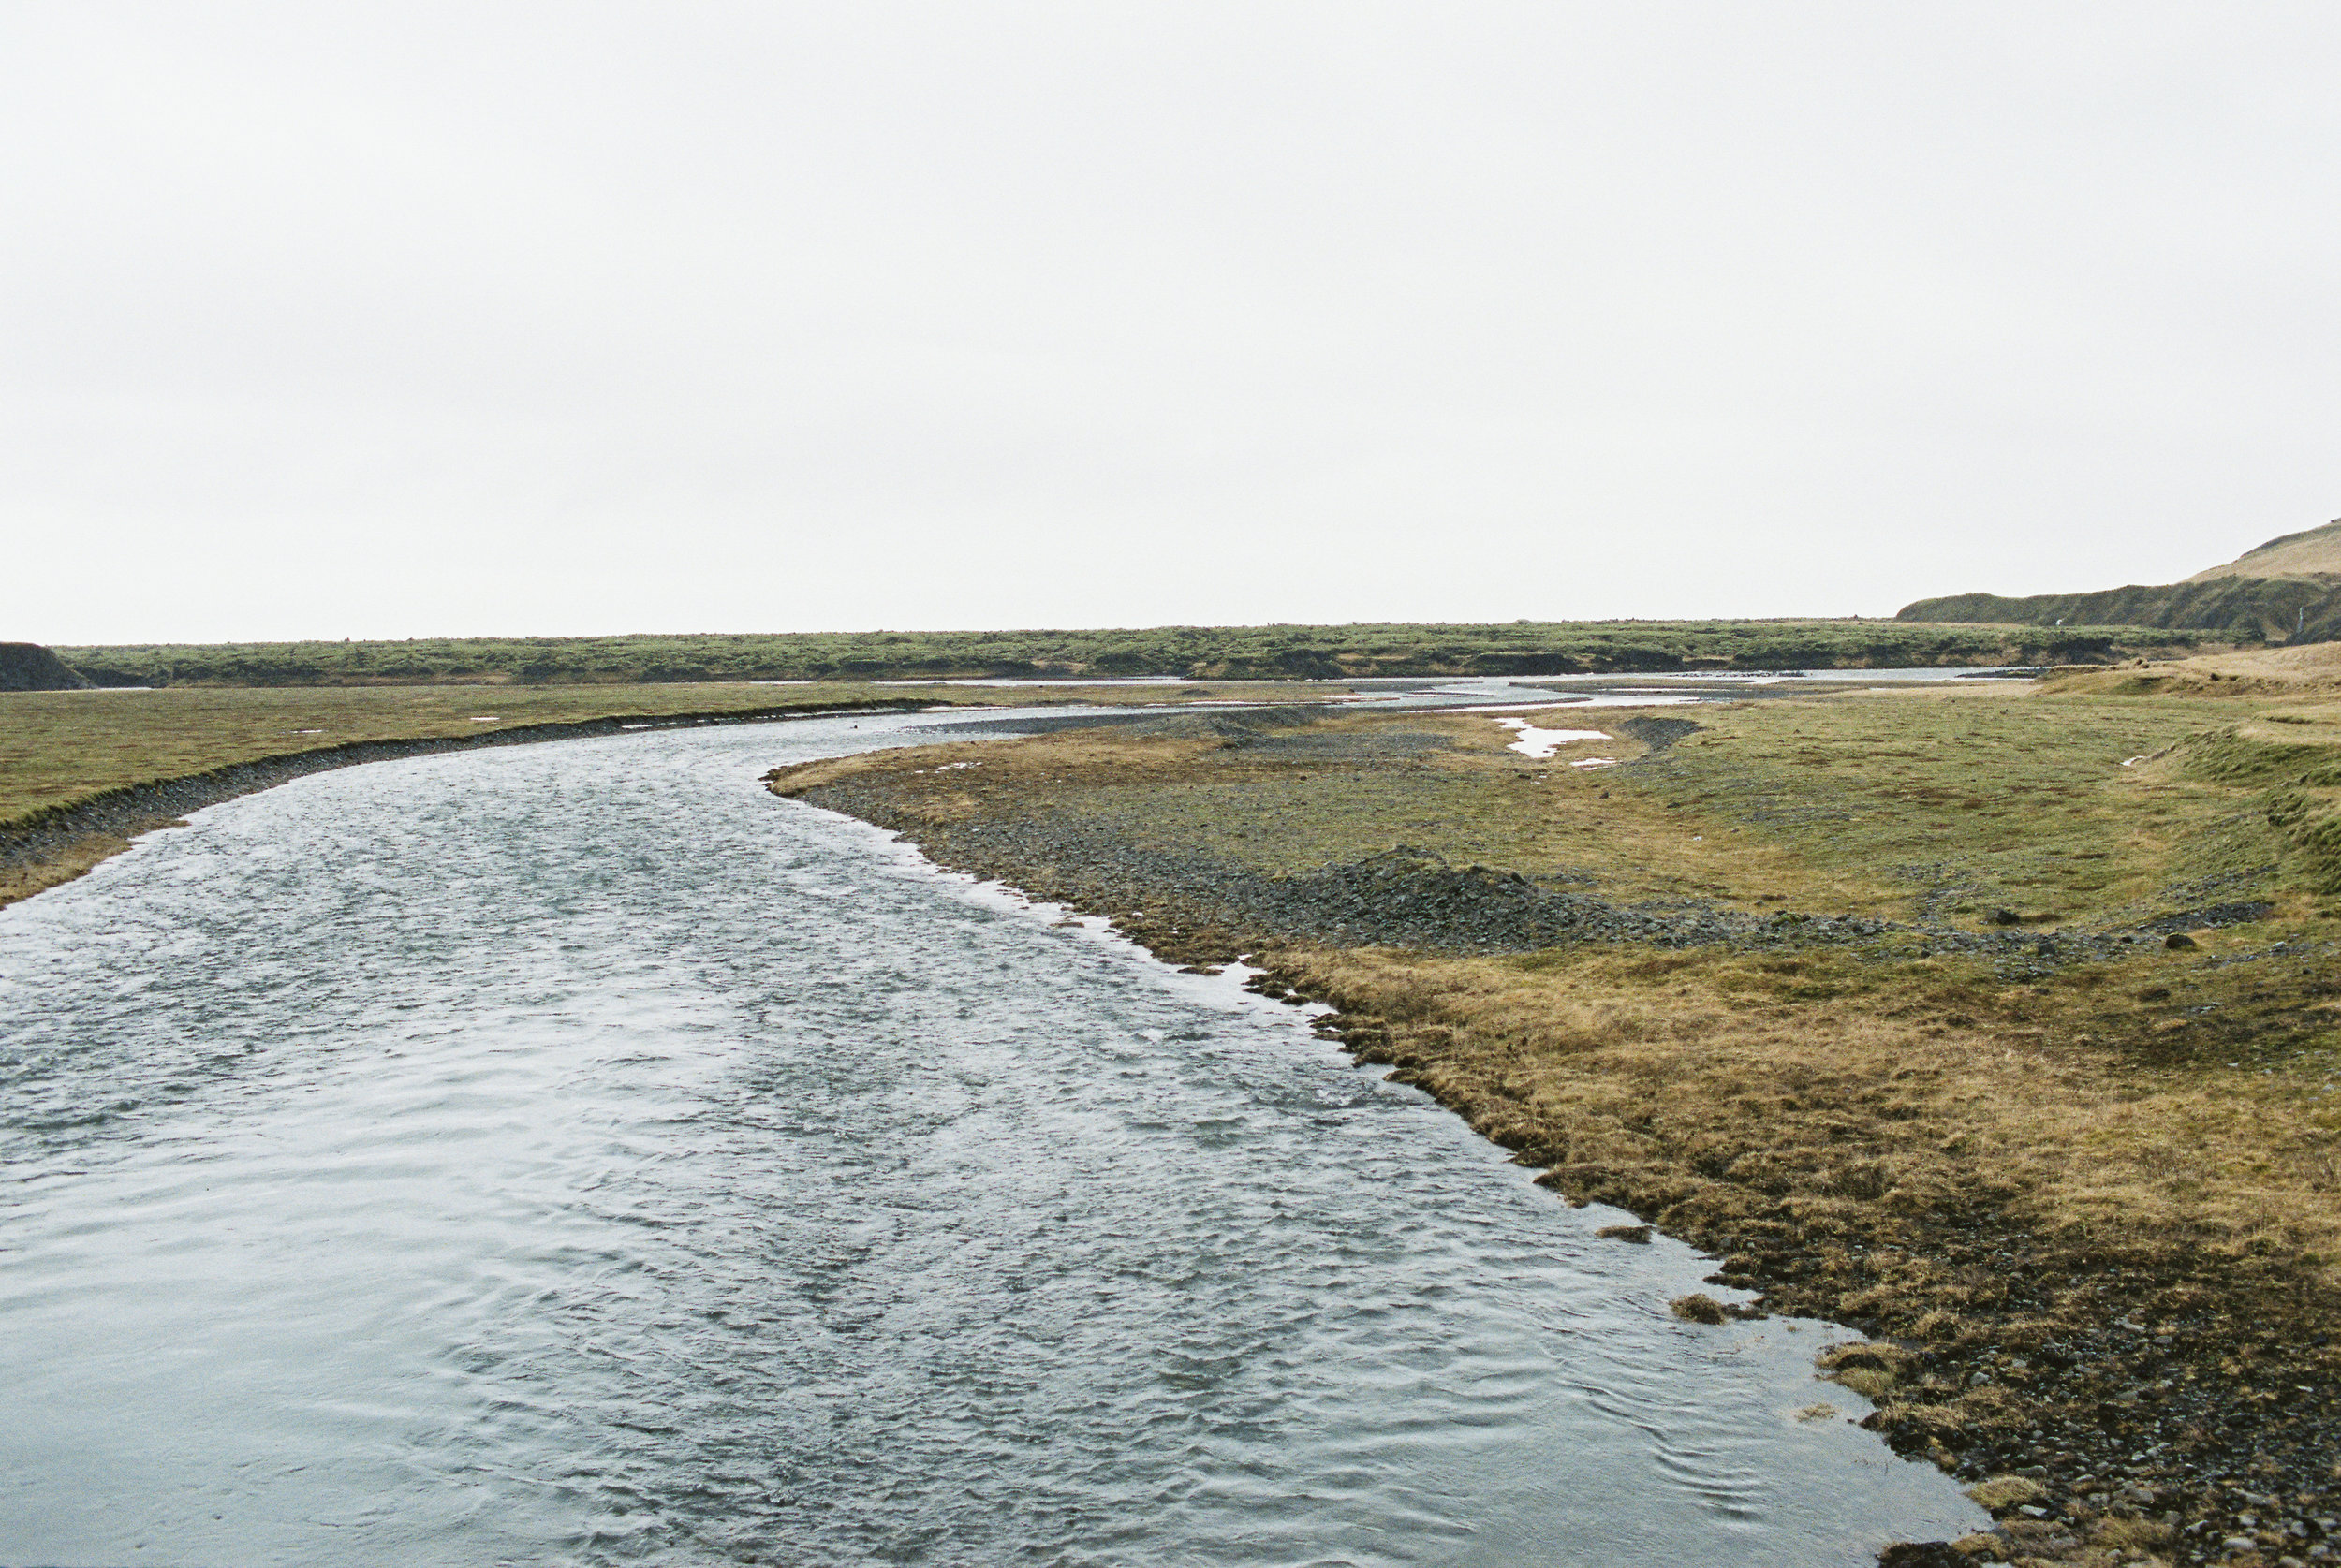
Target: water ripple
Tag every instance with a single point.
(574, 1154)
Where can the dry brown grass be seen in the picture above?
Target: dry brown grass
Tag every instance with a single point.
(22, 879)
(2311, 670)
(1984, 1168)
(1698, 1085)
(2006, 1492)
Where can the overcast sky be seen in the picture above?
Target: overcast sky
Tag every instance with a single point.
(327, 320)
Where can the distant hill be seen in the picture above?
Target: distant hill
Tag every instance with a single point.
(27, 666)
(2288, 590)
(2311, 552)
(1209, 653)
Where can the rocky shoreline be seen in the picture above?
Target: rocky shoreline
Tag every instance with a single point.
(1412, 898)
(2111, 1405)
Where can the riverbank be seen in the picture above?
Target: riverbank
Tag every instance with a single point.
(573, 1154)
(83, 772)
(1870, 995)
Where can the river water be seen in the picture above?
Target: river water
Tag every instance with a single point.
(572, 1153)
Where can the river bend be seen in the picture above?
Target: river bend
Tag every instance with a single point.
(572, 1153)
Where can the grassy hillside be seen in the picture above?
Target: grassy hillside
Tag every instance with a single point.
(2288, 590)
(2313, 551)
(1217, 653)
(2226, 609)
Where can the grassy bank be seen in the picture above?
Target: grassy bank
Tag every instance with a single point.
(1867, 993)
(59, 749)
(1209, 653)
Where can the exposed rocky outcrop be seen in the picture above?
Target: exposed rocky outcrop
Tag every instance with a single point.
(27, 666)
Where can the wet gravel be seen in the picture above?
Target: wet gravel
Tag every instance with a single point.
(1408, 896)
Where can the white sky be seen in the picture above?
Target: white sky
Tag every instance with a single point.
(411, 319)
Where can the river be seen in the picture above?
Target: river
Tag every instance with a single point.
(572, 1153)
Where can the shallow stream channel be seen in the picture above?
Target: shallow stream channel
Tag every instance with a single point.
(571, 1153)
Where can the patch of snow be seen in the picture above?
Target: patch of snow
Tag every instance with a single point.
(1537, 742)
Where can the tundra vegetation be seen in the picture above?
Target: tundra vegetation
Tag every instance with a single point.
(1996, 1022)
(1210, 652)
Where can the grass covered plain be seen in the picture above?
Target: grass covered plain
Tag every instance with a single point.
(2079, 1196)
(1209, 653)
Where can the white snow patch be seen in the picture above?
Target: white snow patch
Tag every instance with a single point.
(1535, 743)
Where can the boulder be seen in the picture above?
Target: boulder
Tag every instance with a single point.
(1923, 1554)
